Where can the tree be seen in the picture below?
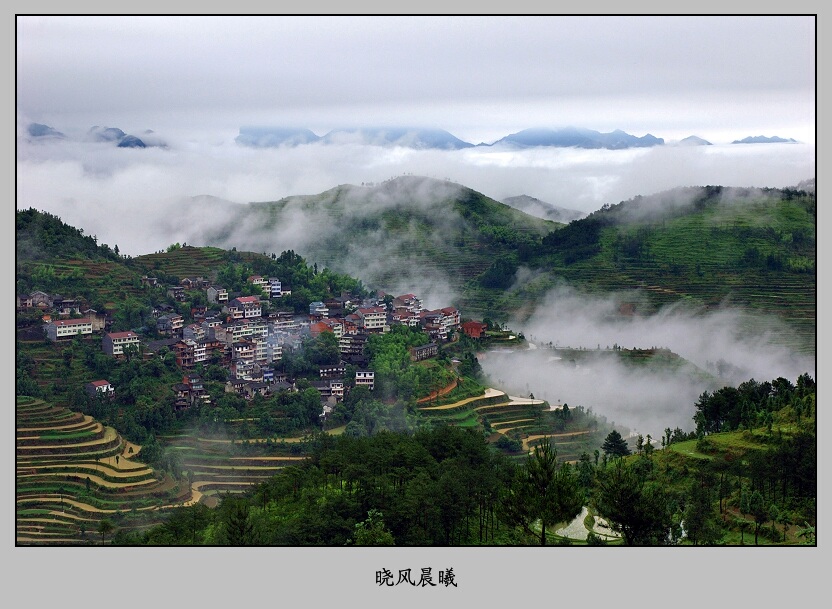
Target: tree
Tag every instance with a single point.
(105, 527)
(373, 531)
(239, 531)
(615, 445)
(785, 518)
(639, 510)
(544, 491)
(700, 518)
(755, 505)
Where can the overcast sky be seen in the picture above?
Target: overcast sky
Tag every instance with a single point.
(479, 77)
(196, 80)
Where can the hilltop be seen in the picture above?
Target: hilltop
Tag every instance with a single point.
(703, 246)
(408, 232)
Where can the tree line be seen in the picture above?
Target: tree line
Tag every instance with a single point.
(446, 486)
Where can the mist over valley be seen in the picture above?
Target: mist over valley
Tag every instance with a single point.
(459, 227)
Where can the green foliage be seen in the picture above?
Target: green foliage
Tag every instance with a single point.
(615, 446)
(749, 404)
(43, 236)
(500, 275)
(396, 376)
(373, 532)
(543, 492)
(640, 509)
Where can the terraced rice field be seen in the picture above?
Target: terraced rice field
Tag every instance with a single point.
(72, 472)
(525, 419)
(183, 262)
(216, 465)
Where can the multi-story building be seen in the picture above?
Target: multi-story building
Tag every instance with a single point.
(260, 282)
(372, 319)
(114, 343)
(170, 324)
(423, 352)
(318, 310)
(275, 289)
(194, 332)
(67, 328)
(365, 378)
(217, 294)
(189, 353)
(244, 307)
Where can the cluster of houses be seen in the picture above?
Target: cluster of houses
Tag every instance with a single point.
(237, 334)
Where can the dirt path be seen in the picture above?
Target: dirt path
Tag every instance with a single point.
(93, 478)
(83, 467)
(109, 435)
(515, 401)
(570, 434)
(489, 393)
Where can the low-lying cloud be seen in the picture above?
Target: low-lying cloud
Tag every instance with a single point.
(642, 399)
(121, 195)
(145, 199)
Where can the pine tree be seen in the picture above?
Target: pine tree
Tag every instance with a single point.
(615, 445)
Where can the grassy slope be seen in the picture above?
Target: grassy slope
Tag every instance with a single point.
(699, 256)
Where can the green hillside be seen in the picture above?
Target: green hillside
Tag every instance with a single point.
(408, 230)
(707, 247)
(404, 446)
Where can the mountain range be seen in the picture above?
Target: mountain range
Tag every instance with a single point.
(762, 139)
(415, 138)
(98, 134)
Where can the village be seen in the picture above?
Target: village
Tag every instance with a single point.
(248, 336)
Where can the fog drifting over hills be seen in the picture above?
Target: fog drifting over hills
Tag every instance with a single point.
(145, 199)
(133, 197)
(642, 400)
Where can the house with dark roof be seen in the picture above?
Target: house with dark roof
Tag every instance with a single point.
(419, 353)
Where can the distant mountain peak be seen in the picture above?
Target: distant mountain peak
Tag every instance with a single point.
(38, 130)
(694, 140)
(574, 137)
(762, 139)
(122, 139)
(410, 137)
(273, 137)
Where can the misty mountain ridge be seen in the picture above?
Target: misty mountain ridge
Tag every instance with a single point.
(762, 139)
(573, 137)
(98, 134)
(419, 139)
(709, 247)
(439, 139)
(408, 137)
(542, 209)
(694, 140)
(44, 132)
(122, 139)
(408, 233)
